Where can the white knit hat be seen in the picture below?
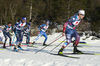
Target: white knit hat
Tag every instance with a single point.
(81, 12)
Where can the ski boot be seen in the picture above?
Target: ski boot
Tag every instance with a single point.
(11, 44)
(76, 51)
(73, 43)
(45, 44)
(33, 43)
(28, 42)
(4, 45)
(15, 49)
(20, 47)
(60, 51)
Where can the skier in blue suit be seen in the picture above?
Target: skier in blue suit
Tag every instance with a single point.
(27, 34)
(41, 32)
(6, 33)
(19, 32)
(14, 27)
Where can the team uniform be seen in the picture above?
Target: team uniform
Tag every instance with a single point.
(14, 27)
(19, 31)
(43, 27)
(70, 31)
(27, 34)
(6, 33)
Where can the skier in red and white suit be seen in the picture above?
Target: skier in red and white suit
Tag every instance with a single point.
(69, 31)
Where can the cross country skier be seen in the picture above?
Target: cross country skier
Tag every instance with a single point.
(1, 38)
(14, 27)
(27, 34)
(19, 32)
(41, 32)
(6, 33)
(69, 31)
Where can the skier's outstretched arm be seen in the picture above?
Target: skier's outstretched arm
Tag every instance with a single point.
(64, 28)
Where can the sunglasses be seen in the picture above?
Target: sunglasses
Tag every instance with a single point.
(82, 14)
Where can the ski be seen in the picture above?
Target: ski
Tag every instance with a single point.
(33, 46)
(2, 48)
(73, 41)
(48, 45)
(39, 44)
(84, 43)
(84, 53)
(23, 50)
(19, 51)
(64, 55)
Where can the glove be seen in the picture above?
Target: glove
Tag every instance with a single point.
(38, 32)
(0, 31)
(11, 33)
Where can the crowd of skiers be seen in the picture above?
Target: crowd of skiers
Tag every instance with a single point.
(69, 31)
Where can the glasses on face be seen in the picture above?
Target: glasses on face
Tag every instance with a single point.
(82, 14)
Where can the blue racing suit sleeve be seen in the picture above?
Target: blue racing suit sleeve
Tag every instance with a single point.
(28, 24)
(27, 30)
(4, 30)
(40, 27)
(7, 29)
(16, 24)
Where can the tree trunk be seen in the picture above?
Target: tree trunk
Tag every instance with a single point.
(31, 9)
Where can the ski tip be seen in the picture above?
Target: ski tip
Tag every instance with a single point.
(74, 57)
(2, 49)
(96, 54)
(84, 43)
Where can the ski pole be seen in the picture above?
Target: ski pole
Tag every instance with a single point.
(58, 45)
(13, 39)
(48, 44)
(28, 39)
(58, 36)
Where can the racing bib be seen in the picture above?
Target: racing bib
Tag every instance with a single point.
(76, 22)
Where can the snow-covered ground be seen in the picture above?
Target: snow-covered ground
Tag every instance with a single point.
(44, 58)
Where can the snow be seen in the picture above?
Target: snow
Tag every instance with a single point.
(44, 58)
